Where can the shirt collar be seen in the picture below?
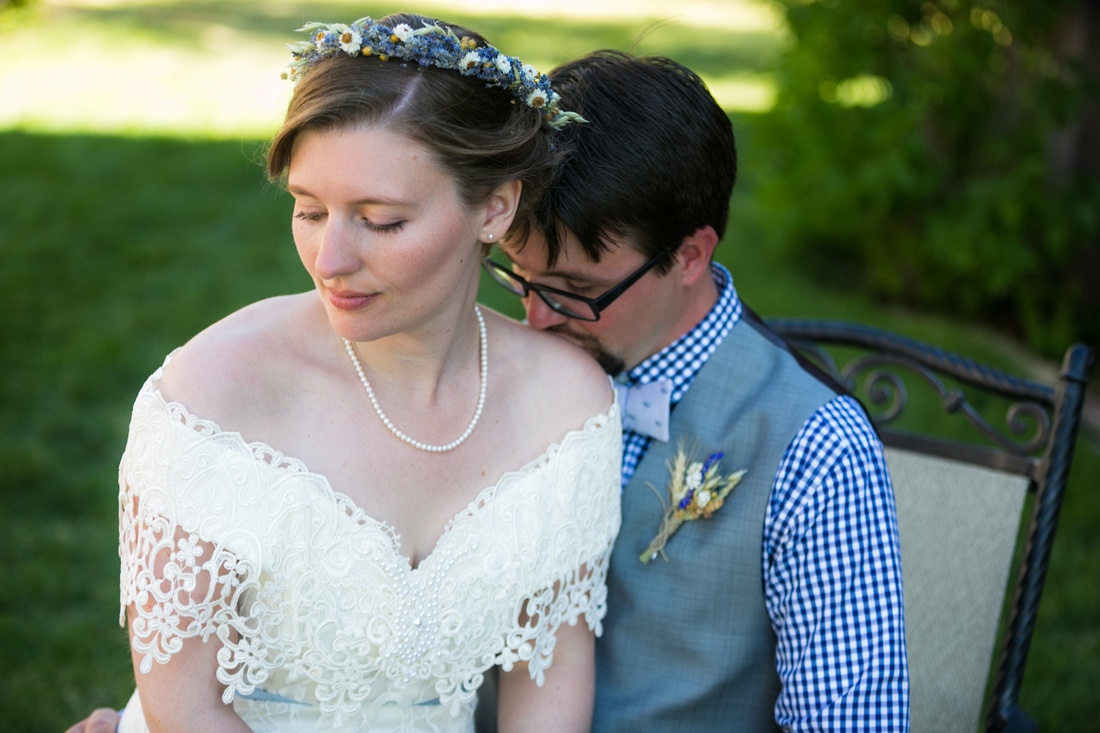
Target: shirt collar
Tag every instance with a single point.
(681, 360)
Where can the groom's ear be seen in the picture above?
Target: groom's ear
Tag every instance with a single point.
(500, 210)
(695, 254)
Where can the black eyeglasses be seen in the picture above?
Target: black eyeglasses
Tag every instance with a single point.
(560, 301)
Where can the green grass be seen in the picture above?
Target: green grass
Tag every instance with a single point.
(119, 247)
(116, 251)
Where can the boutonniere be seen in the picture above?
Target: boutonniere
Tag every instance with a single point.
(694, 490)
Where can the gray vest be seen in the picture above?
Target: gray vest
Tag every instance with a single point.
(688, 644)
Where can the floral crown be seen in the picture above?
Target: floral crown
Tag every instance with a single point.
(432, 45)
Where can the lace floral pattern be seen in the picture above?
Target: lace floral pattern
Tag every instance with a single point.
(311, 599)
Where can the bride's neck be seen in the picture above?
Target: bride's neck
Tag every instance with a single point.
(423, 362)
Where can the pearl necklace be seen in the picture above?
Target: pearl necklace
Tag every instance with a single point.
(480, 397)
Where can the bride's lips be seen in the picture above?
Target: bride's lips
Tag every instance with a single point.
(349, 301)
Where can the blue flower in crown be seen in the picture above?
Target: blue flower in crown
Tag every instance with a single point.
(432, 45)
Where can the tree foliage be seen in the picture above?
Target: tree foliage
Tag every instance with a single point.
(911, 155)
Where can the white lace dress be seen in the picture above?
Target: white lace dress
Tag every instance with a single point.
(323, 622)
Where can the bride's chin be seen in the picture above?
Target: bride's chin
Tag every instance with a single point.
(349, 323)
(358, 327)
(352, 331)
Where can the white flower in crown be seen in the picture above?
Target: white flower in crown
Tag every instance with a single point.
(537, 99)
(504, 64)
(350, 40)
(530, 72)
(403, 32)
(471, 60)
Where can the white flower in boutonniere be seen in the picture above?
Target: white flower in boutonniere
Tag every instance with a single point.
(694, 491)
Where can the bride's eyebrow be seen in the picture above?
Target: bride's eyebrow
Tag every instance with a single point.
(368, 201)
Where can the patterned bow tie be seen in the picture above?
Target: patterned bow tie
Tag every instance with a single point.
(645, 407)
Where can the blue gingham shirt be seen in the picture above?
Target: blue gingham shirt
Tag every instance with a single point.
(830, 559)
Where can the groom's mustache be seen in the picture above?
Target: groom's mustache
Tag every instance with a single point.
(610, 363)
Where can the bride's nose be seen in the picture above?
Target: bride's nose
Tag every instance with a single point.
(338, 250)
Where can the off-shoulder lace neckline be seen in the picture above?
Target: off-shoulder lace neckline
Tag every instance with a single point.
(278, 461)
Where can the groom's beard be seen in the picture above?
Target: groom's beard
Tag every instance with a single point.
(611, 364)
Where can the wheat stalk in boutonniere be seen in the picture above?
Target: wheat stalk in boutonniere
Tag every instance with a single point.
(694, 490)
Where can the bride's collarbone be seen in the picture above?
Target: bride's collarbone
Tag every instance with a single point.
(370, 465)
(338, 436)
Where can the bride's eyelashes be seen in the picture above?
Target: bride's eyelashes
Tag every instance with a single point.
(389, 228)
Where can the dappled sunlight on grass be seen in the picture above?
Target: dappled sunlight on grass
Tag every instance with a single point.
(214, 81)
(730, 15)
(743, 92)
(211, 69)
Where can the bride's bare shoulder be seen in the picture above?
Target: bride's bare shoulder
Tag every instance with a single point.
(238, 362)
(549, 374)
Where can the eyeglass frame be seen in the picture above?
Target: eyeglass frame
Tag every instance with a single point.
(597, 304)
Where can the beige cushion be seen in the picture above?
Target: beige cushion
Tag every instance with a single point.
(958, 525)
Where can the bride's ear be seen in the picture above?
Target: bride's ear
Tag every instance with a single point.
(500, 210)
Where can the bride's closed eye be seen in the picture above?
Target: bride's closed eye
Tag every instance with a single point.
(389, 228)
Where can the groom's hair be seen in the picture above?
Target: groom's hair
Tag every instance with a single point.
(655, 162)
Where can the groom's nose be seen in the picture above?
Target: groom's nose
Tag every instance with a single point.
(539, 315)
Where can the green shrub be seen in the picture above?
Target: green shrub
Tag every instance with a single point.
(910, 156)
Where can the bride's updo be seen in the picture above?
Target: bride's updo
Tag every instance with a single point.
(481, 135)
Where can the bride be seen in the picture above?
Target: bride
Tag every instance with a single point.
(339, 509)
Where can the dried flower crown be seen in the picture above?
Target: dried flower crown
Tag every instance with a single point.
(431, 45)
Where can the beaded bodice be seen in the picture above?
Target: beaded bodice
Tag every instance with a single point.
(323, 622)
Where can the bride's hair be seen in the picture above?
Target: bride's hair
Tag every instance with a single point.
(477, 133)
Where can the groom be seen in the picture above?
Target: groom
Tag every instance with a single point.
(783, 608)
